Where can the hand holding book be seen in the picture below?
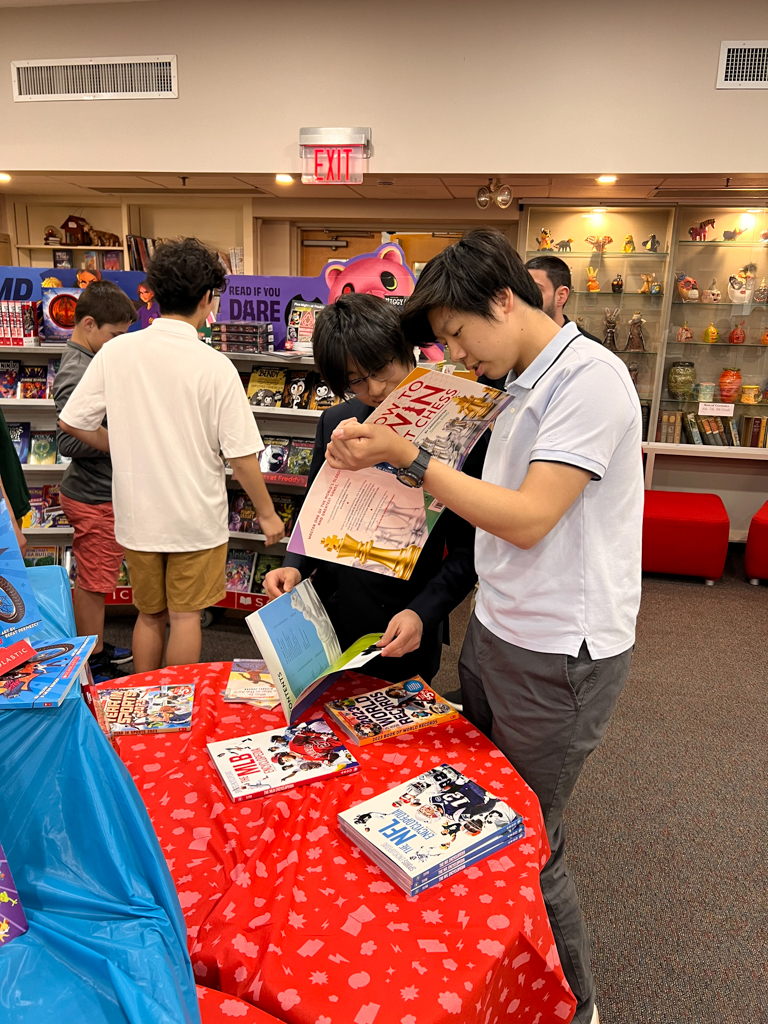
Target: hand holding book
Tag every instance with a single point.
(356, 445)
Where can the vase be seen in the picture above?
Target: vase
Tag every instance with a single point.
(681, 379)
(730, 383)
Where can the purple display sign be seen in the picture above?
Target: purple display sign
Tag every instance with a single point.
(13, 921)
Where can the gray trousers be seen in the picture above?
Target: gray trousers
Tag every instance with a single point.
(547, 713)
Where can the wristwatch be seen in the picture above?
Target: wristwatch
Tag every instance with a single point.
(413, 475)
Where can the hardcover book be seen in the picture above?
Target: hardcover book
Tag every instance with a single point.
(111, 260)
(239, 569)
(250, 683)
(394, 709)
(265, 388)
(161, 708)
(46, 679)
(32, 382)
(13, 921)
(20, 434)
(10, 371)
(269, 762)
(59, 312)
(42, 448)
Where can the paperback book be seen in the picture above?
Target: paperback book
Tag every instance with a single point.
(10, 371)
(264, 564)
(42, 448)
(46, 679)
(301, 649)
(59, 312)
(239, 569)
(297, 390)
(430, 827)
(135, 709)
(13, 921)
(250, 683)
(301, 325)
(394, 709)
(300, 457)
(20, 433)
(268, 762)
(322, 397)
(265, 388)
(19, 614)
(32, 382)
(274, 455)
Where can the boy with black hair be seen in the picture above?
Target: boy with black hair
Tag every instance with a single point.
(103, 312)
(173, 405)
(363, 355)
(559, 519)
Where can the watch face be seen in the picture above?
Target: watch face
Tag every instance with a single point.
(405, 477)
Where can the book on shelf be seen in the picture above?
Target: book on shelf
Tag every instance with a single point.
(141, 250)
(756, 425)
(10, 372)
(45, 509)
(63, 259)
(301, 325)
(20, 434)
(13, 920)
(692, 428)
(50, 376)
(256, 337)
(111, 259)
(705, 430)
(42, 448)
(264, 564)
(431, 826)
(250, 683)
(733, 432)
(46, 679)
(59, 312)
(244, 519)
(147, 709)
(91, 260)
(297, 390)
(368, 519)
(266, 386)
(268, 762)
(239, 569)
(296, 639)
(47, 555)
(274, 455)
(321, 396)
(394, 709)
(33, 381)
(287, 507)
(300, 457)
(20, 322)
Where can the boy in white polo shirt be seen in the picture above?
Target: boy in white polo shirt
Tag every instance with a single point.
(172, 405)
(559, 518)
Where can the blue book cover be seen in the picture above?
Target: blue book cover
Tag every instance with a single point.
(13, 921)
(19, 614)
(45, 680)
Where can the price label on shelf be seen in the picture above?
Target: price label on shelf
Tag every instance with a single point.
(715, 409)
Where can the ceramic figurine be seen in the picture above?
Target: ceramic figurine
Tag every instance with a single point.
(684, 334)
(581, 323)
(711, 294)
(647, 285)
(711, 335)
(593, 284)
(764, 236)
(564, 245)
(655, 286)
(687, 288)
(611, 322)
(737, 335)
(545, 239)
(764, 339)
(681, 380)
(635, 340)
(761, 293)
(598, 242)
(731, 236)
(634, 369)
(699, 234)
(741, 285)
(651, 244)
(617, 285)
(730, 383)
(629, 244)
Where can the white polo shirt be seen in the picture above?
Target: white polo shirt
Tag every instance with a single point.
(574, 404)
(172, 403)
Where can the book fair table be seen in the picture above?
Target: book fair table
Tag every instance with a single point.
(284, 912)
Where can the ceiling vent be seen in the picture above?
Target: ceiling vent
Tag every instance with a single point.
(743, 65)
(95, 78)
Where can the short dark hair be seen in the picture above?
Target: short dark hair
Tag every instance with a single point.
(557, 270)
(468, 277)
(362, 328)
(181, 273)
(106, 303)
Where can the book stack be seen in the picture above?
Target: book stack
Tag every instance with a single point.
(242, 336)
(243, 517)
(237, 259)
(45, 680)
(394, 709)
(20, 322)
(432, 826)
(753, 432)
(690, 428)
(280, 387)
(141, 250)
(45, 511)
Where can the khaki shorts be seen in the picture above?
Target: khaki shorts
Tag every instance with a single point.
(185, 581)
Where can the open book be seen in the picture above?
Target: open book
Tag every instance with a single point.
(301, 649)
(368, 519)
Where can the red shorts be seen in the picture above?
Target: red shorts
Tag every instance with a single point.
(97, 554)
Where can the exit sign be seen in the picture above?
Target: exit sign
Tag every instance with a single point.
(334, 156)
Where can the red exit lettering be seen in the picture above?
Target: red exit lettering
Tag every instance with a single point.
(332, 163)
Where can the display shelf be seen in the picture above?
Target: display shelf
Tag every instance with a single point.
(54, 467)
(530, 253)
(748, 306)
(718, 243)
(635, 296)
(234, 599)
(269, 358)
(706, 451)
(267, 412)
(714, 344)
(38, 404)
(11, 350)
(255, 536)
(76, 248)
(680, 403)
(53, 531)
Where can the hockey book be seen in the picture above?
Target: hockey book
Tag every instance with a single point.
(13, 921)
(430, 827)
(141, 709)
(46, 679)
(250, 683)
(268, 762)
(370, 520)
(381, 714)
(301, 649)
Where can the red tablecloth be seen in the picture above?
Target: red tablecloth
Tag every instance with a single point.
(283, 911)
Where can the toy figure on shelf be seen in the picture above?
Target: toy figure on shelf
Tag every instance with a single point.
(617, 285)
(741, 285)
(737, 335)
(75, 232)
(635, 339)
(629, 244)
(564, 245)
(731, 236)
(711, 294)
(634, 369)
(761, 293)
(593, 285)
(598, 242)
(102, 238)
(711, 335)
(699, 234)
(611, 323)
(651, 243)
(655, 286)
(648, 280)
(764, 339)
(687, 288)
(581, 323)
(545, 239)
(684, 334)
(52, 236)
(764, 236)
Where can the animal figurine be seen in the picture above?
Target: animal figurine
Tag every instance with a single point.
(635, 339)
(611, 323)
(593, 285)
(545, 239)
(103, 238)
(731, 236)
(737, 335)
(617, 285)
(651, 244)
(711, 335)
(699, 234)
(711, 294)
(764, 236)
(52, 236)
(564, 245)
(646, 285)
(687, 288)
(741, 285)
(684, 334)
(598, 242)
(629, 244)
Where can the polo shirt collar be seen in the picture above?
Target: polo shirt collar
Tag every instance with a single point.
(544, 360)
(80, 348)
(177, 327)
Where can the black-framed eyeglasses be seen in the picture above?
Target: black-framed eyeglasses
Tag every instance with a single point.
(360, 384)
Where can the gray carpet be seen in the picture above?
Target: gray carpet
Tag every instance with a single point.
(667, 826)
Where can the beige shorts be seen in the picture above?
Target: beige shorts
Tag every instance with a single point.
(185, 581)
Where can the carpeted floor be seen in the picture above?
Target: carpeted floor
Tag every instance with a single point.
(669, 822)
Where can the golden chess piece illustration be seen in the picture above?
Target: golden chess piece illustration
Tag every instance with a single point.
(474, 406)
(400, 560)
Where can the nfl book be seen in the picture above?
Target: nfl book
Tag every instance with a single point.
(20, 433)
(430, 827)
(265, 388)
(13, 921)
(239, 569)
(269, 762)
(10, 372)
(32, 381)
(394, 709)
(148, 709)
(46, 679)
(250, 683)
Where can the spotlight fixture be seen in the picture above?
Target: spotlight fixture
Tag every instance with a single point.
(284, 179)
(494, 192)
(606, 179)
(5, 177)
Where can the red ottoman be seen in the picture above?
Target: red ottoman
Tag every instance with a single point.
(685, 534)
(756, 555)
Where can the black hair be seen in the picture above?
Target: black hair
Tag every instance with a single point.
(364, 329)
(106, 303)
(468, 277)
(557, 270)
(181, 273)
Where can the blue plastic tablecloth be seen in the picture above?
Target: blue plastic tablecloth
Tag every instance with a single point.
(106, 942)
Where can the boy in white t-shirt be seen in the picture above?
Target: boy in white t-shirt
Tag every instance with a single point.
(173, 404)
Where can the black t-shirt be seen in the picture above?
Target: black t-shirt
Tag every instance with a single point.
(12, 474)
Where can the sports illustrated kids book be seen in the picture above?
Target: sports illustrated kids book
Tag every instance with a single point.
(369, 519)
(13, 921)
(46, 679)
(381, 714)
(148, 708)
(250, 683)
(267, 762)
(301, 649)
(430, 827)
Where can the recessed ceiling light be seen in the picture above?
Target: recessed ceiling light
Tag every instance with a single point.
(5, 177)
(599, 209)
(755, 211)
(284, 179)
(606, 179)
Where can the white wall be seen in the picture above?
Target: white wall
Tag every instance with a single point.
(447, 86)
